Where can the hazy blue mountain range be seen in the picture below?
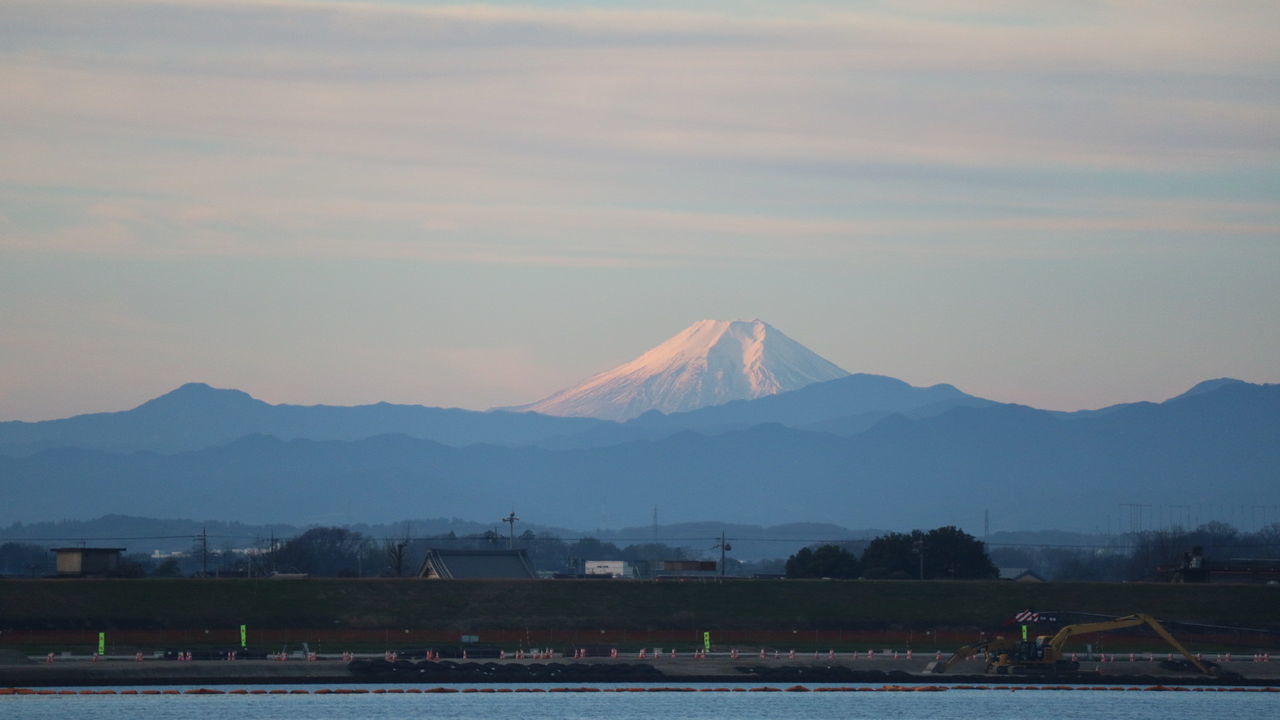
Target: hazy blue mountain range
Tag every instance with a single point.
(197, 416)
(844, 406)
(1031, 469)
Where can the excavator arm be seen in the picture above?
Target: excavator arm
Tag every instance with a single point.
(1173, 642)
(1004, 654)
(987, 647)
(964, 653)
(1066, 633)
(1071, 631)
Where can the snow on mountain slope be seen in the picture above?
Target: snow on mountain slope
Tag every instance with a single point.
(708, 363)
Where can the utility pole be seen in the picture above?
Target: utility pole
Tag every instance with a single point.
(511, 519)
(724, 547)
(918, 545)
(204, 552)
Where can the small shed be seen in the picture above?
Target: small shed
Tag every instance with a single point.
(476, 565)
(87, 561)
(1020, 575)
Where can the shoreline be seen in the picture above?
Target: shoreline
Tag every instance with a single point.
(84, 673)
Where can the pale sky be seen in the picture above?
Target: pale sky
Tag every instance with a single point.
(1064, 204)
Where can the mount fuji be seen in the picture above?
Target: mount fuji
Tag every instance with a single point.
(711, 362)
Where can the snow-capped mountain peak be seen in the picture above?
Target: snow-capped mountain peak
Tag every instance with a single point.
(711, 362)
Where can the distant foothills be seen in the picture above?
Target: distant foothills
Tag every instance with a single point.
(769, 434)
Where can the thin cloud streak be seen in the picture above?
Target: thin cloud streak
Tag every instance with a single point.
(459, 232)
(556, 109)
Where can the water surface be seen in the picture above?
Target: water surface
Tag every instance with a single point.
(952, 704)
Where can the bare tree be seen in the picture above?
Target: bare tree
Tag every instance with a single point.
(397, 551)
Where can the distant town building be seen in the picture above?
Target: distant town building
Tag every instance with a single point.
(1019, 575)
(607, 568)
(687, 569)
(476, 565)
(1192, 569)
(87, 561)
(1246, 571)
(1196, 568)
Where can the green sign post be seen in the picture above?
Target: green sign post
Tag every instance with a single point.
(244, 637)
(102, 643)
(1024, 633)
(706, 641)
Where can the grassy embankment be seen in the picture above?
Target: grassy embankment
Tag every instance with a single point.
(415, 613)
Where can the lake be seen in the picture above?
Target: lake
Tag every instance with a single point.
(960, 704)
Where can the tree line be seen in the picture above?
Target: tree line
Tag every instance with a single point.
(942, 553)
(342, 552)
(1142, 555)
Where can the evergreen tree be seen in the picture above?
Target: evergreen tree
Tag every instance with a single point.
(945, 553)
(826, 561)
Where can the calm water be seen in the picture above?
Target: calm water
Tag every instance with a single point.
(958, 704)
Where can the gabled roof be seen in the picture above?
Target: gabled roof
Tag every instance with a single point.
(1020, 575)
(477, 565)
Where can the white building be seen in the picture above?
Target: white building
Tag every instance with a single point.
(607, 568)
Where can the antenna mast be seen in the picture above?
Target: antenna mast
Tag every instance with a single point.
(511, 519)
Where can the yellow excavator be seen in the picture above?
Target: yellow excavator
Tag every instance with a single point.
(1044, 653)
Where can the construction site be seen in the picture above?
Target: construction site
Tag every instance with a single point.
(106, 632)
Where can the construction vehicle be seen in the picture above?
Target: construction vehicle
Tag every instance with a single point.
(1044, 654)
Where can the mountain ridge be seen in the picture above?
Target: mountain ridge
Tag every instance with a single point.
(196, 415)
(1032, 469)
(842, 406)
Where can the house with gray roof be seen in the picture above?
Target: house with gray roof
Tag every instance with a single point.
(476, 565)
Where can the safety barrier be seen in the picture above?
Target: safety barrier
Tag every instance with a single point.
(658, 653)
